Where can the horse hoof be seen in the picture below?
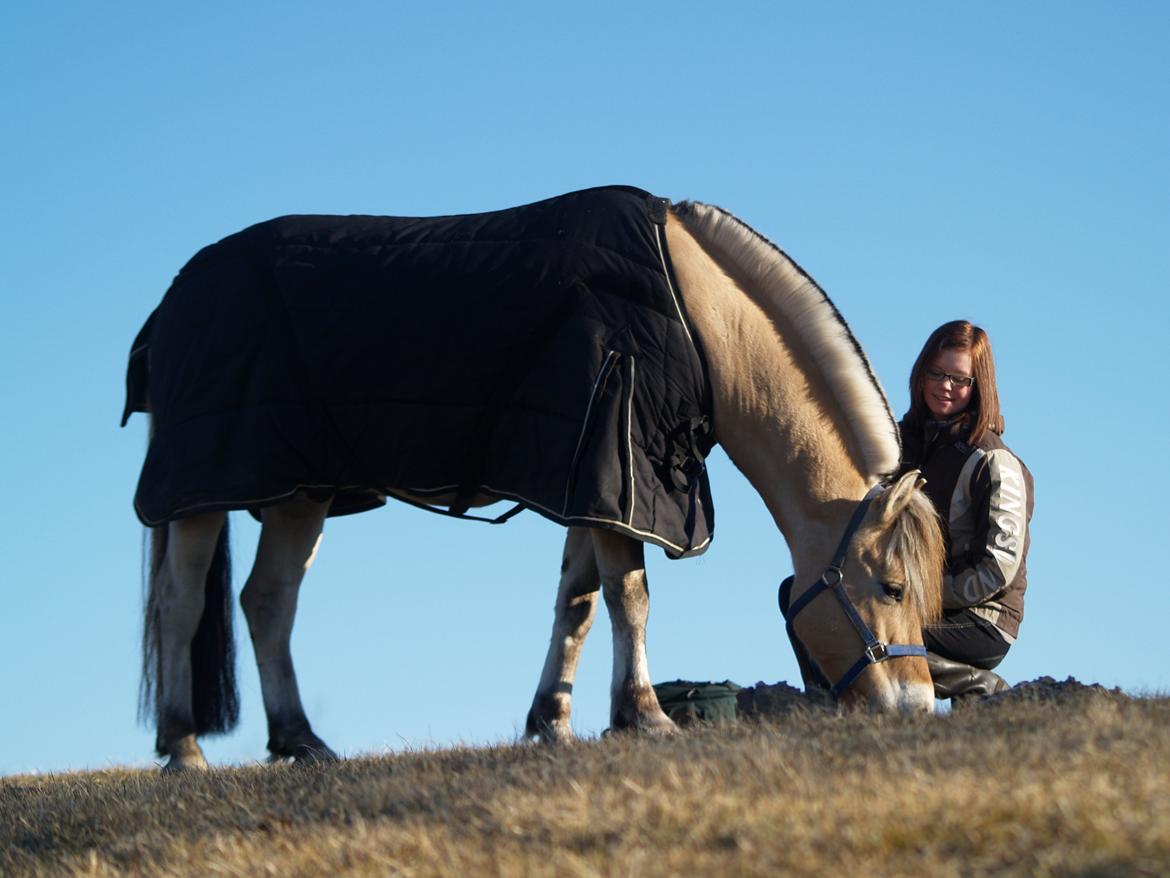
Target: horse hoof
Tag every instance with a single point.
(183, 765)
(184, 755)
(548, 731)
(548, 720)
(552, 734)
(317, 753)
(657, 725)
(661, 729)
(314, 754)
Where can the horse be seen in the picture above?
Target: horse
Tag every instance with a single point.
(785, 389)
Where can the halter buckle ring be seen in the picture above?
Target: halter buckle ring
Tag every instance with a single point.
(876, 652)
(832, 577)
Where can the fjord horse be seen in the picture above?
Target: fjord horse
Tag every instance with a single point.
(798, 411)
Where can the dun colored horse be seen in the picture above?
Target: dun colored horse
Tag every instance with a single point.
(796, 407)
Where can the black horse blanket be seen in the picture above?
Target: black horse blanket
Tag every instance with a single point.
(539, 354)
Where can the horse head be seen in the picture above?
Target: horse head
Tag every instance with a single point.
(886, 576)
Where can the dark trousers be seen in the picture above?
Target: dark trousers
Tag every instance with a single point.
(962, 636)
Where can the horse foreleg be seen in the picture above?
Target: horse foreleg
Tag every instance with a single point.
(633, 704)
(576, 605)
(289, 539)
(180, 588)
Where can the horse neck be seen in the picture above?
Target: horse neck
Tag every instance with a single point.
(774, 413)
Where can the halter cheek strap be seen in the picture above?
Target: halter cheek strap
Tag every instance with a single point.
(832, 579)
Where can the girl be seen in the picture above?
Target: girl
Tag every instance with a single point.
(983, 494)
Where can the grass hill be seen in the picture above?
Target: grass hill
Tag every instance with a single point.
(1072, 786)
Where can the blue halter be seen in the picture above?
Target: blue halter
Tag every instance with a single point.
(874, 651)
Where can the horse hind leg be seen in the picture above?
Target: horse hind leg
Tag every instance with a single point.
(289, 538)
(178, 595)
(633, 704)
(548, 719)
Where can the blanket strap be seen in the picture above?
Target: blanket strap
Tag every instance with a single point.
(452, 513)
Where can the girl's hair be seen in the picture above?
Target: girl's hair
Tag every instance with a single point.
(983, 412)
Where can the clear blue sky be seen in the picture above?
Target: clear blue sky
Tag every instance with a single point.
(1002, 162)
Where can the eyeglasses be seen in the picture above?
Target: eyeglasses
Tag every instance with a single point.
(956, 380)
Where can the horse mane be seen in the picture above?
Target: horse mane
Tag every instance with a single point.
(784, 287)
(916, 543)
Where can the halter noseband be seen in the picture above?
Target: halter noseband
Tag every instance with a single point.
(832, 579)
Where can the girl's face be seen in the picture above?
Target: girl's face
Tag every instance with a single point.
(943, 390)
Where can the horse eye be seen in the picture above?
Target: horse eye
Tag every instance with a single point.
(894, 590)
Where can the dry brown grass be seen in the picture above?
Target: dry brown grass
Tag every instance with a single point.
(1074, 788)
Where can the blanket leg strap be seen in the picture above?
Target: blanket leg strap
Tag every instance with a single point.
(454, 512)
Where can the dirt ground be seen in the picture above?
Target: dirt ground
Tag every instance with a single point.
(765, 700)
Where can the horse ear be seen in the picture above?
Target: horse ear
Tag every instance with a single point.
(895, 499)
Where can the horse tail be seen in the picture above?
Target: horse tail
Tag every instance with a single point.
(215, 701)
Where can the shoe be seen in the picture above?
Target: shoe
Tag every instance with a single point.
(961, 682)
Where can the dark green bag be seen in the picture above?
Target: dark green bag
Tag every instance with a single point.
(686, 701)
